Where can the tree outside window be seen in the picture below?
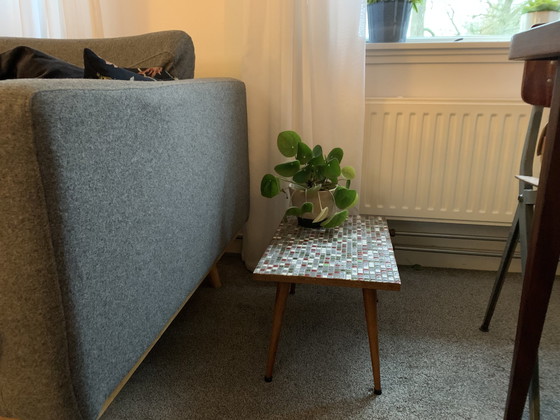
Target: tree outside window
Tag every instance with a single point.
(461, 18)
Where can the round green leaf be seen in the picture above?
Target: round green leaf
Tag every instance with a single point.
(306, 207)
(336, 153)
(270, 186)
(288, 143)
(288, 168)
(332, 170)
(304, 153)
(317, 161)
(303, 176)
(293, 211)
(317, 151)
(348, 172)
(336, 220)
(345, 198)
(319, 170)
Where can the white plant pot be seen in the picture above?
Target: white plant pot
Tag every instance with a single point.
(528, 20)
(320, 200)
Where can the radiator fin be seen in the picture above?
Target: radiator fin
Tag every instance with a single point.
(443, 160)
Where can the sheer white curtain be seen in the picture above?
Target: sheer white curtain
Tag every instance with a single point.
(51, 18)
(304, 70)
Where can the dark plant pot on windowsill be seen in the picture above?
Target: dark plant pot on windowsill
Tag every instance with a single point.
(388, 20)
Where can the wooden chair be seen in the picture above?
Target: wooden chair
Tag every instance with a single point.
(536, 90)
(543, 248)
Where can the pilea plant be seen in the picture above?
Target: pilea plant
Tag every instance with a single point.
(311, 171)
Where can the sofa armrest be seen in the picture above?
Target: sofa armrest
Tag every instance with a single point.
(116, 199)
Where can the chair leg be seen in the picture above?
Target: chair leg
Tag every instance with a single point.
(502, 271)
(525, 220)
(534, 394)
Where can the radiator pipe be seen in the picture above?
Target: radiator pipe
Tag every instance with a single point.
(454, 251)
(393, 232)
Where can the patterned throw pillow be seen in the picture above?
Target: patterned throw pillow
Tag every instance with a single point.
(97, 68)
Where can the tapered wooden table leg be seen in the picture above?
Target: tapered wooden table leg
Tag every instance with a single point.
(282, 291)
(370, 306)
(214, 277)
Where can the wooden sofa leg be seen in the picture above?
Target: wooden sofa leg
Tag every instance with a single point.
(214, 277)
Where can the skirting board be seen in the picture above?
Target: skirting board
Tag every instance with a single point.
(465, 262)
(450, 245)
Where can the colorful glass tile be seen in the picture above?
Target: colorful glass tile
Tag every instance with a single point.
(359, 250)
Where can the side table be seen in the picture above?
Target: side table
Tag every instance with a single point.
(357, 254)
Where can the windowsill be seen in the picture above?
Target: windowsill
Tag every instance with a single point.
(437, 52)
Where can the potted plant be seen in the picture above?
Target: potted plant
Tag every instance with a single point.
(388, 19)
(313, 179)
(535, 12)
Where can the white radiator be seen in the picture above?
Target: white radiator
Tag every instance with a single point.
(445, 160)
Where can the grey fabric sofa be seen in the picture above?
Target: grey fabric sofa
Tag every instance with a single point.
(116, 199)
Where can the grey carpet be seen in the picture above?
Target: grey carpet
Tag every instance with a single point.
(435, 363)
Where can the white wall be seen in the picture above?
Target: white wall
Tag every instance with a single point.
(217, 40)
(444, 70)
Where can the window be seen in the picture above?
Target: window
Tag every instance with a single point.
(465, 20)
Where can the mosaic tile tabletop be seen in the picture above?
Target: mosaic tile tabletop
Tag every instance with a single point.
(358, 253)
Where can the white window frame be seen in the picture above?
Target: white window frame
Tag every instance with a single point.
(437, 52)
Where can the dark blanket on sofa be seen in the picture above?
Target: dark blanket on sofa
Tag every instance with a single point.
(27, 63)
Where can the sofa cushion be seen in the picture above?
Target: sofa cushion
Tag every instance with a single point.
(96, 67)
(24, 62)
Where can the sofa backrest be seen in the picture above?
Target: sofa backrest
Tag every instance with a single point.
(172, 50)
